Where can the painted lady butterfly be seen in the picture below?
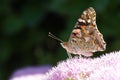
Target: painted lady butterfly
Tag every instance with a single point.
(85, 37)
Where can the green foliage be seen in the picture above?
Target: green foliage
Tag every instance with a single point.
(24, 26)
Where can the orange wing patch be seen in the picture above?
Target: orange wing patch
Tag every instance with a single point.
(83, 27)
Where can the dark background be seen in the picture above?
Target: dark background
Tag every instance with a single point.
(24, 27)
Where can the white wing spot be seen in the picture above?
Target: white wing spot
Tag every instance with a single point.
(94, 23)
(84, 13)
(88, 20)
(81, 20)
(94, 18)
(87, 39)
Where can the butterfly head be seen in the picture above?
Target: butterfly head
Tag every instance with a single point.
(65, 45)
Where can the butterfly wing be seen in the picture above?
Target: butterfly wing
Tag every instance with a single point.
(85, 36)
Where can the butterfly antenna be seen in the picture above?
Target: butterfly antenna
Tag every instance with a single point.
(54, 37)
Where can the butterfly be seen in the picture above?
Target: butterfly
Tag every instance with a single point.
(85, 38)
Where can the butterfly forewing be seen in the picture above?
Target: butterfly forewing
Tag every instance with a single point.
(85, 37)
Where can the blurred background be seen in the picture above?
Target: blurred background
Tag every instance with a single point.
(24, 27)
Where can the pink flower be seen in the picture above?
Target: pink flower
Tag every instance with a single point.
(107, 67)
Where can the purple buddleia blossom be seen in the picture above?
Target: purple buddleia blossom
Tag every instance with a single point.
(30, 73)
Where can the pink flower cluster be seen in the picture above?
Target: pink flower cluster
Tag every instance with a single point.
(106, 67)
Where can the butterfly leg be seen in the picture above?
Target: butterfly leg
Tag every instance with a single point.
(69, 55)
